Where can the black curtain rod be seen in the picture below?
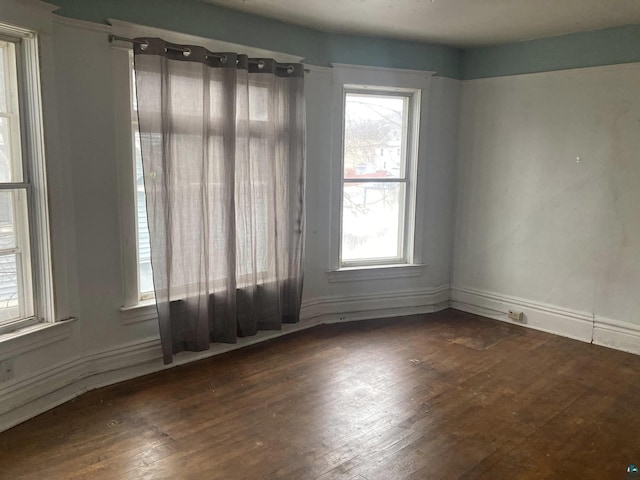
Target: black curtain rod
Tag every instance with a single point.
(114, 38)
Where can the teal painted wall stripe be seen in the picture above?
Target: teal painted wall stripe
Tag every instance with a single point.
(360, 50)
(588, 49)
(318, 48)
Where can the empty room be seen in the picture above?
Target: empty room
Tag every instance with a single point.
(319, 240)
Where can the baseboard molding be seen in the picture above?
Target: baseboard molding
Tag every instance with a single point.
(57, 384)
(615, 334)
(539, 316)
(348, 308)
(578, 325)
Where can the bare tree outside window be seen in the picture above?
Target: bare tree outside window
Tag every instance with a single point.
(375, 177)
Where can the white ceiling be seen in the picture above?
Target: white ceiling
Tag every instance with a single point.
(460, 23)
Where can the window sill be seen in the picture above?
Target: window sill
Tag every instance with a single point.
(378, 272)
(33, 337)
(142, 312)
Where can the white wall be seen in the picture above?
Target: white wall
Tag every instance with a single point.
(81, 90)
(548, 194)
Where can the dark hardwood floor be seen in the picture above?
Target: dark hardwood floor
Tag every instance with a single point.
(442, 396)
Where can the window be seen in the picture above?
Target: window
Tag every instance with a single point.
(260, 114)
(379, 153)
(138, 292)
(25, 279)
(143, 246)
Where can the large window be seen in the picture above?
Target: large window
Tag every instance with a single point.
(24, 275)
(260, 114)
(378, 179)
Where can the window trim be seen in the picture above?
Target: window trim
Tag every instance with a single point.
(385, 78)
(34, 178)
(409, 179)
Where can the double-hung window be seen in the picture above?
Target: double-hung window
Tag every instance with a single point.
(260, 123)
(379, 160)
(25, 277)
(138, 274)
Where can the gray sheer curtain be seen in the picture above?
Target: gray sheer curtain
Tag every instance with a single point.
(223, 147)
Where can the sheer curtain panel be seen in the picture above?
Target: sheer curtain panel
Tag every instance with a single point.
(223, 151)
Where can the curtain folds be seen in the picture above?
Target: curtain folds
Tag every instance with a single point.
(223, 151)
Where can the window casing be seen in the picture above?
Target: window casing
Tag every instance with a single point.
(26, 295)
(380, 128)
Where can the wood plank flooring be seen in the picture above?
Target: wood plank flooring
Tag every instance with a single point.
(442, 396)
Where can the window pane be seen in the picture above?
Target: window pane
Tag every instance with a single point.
(9, 298)
(372, 221)
(7, 223)
(134, 95)
(146, 276)
(374, 136)
(10, 153)
(259, 103)
(10, 170)
(145, 273)
(15, 278)
(3, 78)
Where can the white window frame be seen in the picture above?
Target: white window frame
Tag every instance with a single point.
(143, 296)
(376, 79)
(410, 144)
(37, 284)
(127, 181)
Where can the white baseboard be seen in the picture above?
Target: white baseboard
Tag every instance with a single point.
(54, 385)
(59, 383)
(615, 334)
(539, 316)
(347, 308)
(549, 318)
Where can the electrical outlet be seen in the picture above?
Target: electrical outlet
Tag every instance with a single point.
(6, 371)
(516, 315)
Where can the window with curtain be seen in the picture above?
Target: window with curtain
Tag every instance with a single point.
(222, 146)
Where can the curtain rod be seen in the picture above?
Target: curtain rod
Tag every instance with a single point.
(113, 38)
